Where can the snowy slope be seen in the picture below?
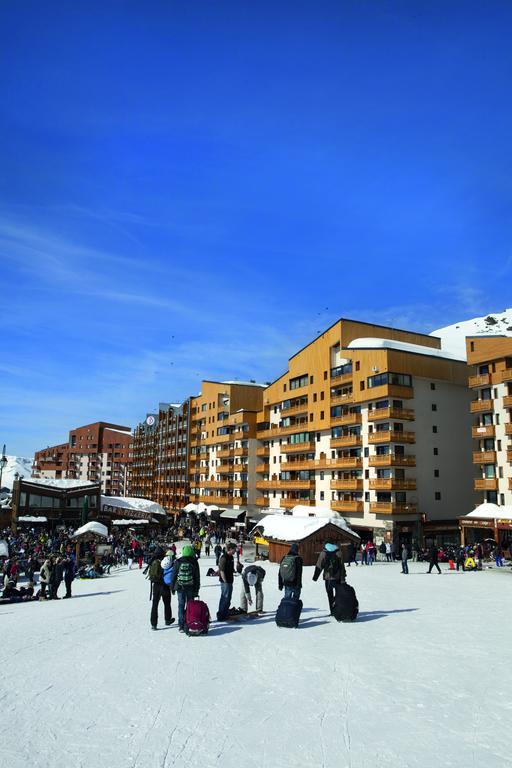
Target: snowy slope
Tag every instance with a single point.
(15, 464)
(86, 683)
(454, 336)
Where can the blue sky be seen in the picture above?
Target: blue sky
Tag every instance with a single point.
(192, 190)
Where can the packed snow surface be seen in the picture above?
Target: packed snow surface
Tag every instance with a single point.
(453, 337)
(422, 677)
(289, 528)
(15, 464)
(131, 502)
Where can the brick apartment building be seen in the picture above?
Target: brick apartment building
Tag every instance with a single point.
(98, 452)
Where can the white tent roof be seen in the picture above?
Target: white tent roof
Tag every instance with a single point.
(130, 522)
(492, 512)
(190, 507)
(290, 528)
(93, 527)
(32, 519)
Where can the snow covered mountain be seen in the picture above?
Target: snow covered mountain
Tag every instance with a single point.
(15, 464)
(454, 336)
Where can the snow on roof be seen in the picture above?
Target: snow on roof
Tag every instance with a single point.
(131, 502)
(290, 528)
(59, 482)
(402, 346)
(93, 527)
(130, 522)
(490, 511)
(32, 519)
(15, 464)
(126, 431)
(300, 510)
(245, 383)
(453, 337)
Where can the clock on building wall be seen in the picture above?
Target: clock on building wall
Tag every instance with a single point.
(150, 421)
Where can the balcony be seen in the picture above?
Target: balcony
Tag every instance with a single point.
(509, 456)
(390, 436)
(480, 406)
(286, 484)
(342, 378)
(482, 432)
(293, 466)
(347, 506)
(263, 469)
(346, 419)
(238, 484)
(507, 401)
(391, 484)
(508, 429)
(405, 414)
(506, 375)
(392, 460)
(298, 447)
(294, 410)
(347, 485)
(240, 451)
(344, 462)
(288, 503)
(388, 508)
(484, 457)
(219, 500)
(225, 453)
(214, 483)
(510, 483)
(346, 441)
(342, 399)
(483, 380)
(223, 468)
(263, 501)
(486, 484)
(263, 450)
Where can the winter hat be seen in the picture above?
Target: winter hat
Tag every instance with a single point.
(188, 551)
(294, 549)
(330, 547)
(166, 563)
(252, 578)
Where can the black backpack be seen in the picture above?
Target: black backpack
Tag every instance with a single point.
(332, 565)
(288, 569)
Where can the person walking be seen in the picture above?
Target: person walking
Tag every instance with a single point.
(460, 558)
(56, 579)
(330, 562)
(185, 581)
(498, 557)
(252, 576)
(159, 589)
(434, 559)
(226, 578)
(370, 552)
(405, 557)
(68, 568)
(352, 554)
(207, 546)
(44, 578)
(290, 574)
(389, 552)
(364, 555)
(217, 551)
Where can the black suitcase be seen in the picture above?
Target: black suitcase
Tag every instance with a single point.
(346, 606)
(288, 613)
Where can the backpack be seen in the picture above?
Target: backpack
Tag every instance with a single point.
(332, 565)
(197, 618)
(185, 574)
(168, 575)
(288, 569)
(155, 571)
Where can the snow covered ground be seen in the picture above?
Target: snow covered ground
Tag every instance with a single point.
(423, 677)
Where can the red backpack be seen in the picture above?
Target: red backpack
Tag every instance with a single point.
(197, 618)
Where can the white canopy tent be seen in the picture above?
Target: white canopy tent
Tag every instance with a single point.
(93, 527)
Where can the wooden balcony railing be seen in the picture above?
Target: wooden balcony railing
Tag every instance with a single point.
(506, 375)
(484, 457)
(392, 460)
(392, 437)
(346, 441)
(342, 399)
(388, 508)
(486, 484)
(392, 484)
(480, 406)
(346, 420)
(347, 485)
(507, 401)
(405, 414)
(347, 506)
(483, 380)
(298, 447)
(483, 431)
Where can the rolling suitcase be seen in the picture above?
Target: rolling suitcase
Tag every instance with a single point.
(346, 606)
(197, 618)
(288, 613)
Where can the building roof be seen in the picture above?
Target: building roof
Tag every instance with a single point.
(403, 346)
(290, 528)
(59, 482)
(131, 502)
(488, 511)
(93, 527)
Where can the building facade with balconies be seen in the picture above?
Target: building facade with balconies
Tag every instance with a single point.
(490, 382)
(98, 452)
(372, 422)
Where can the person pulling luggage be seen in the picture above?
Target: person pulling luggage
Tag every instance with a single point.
(252, 576)
(290, 574)
(159, 589)
(186, 581)
(330, 562)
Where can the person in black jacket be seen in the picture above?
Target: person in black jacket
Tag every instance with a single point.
(56, 579)
(159, 589)
(330, 561)
(292, 585)
(226, 578)
(434, 559)
(252, 576)
(186, 581)
(68, 567)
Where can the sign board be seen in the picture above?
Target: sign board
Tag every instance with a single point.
(504, 523)
(481, 430)
(260, 540)
(479, 523)
(125, 512)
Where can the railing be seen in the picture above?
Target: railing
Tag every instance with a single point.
(341, 399)
(392, 484)
(391, 436)
(346, 441)
(508, 429)
(347, 418)
(507, 401)
(262, 501)
(509, 455)
(262, 469)
(294, 409)
(262, 451)
(296, 447)
(484, 457)
(483, 380)
(342, 378)
(344, 462)
(483, 431)
(392, 459)
(347, 506)
(347, 485)
(486, 484)
(391, 413)
(478, 406)
(284, 484)
(506, 375)
(388, 508)
(293, 503)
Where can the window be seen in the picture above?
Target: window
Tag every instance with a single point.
(434, 429)
(437, 496)
(322, 495)
(325, 375)
(400, 379)
(341, 370)
(358, 365)
(203, 407)
(321, 415)
(311, 417)
(434, 407)
(436, 452)
(314, 397)
(299, 381)
(436, 473)
(322, 475)
(321, 395)
(311, 379)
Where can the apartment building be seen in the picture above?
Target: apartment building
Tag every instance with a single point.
(372, 422)
(160, 452)
(223, 445)
(490, 382)
(98, 452)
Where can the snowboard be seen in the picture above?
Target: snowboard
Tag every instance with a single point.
(248, 615)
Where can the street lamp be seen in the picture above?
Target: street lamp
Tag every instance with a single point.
(3, 461)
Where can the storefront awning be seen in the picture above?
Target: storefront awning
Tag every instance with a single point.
(232, 514)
